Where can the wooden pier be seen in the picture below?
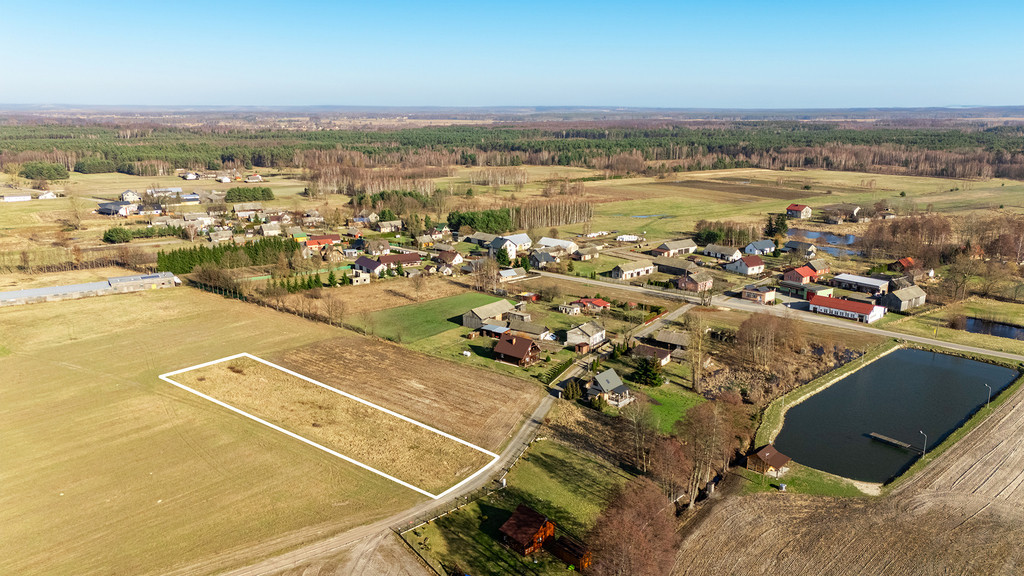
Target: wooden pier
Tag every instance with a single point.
(893, 441)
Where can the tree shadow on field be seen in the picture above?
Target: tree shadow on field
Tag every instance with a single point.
(473, 539)
(482, 351)
(581, 480)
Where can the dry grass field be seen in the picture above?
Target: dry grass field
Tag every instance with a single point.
(396, 447)
(109, 470)
(357, 301)
(962, 514)
(20, 281)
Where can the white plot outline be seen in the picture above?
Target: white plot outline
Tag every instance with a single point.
(166, 377)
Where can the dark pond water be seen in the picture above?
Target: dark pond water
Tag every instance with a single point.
(898, 396)
(980, 326)
(811, 235)
(835, 251)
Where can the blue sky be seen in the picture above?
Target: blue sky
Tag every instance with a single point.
(739, 54)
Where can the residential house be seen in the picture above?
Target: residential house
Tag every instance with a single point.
(903, 264)
(747, 266)
(320, 240)
(660, 355)
(567, 246)
(839, 213)
(801, 211)
(515, 349)
(480, 238)
(629, 270)
(805, 291)
(221, 236)
(510, 274)
(389, 226)
(727, 253)
(674, 247)
(360, 277)
(425, 241)
(492, 313)
(609, 386)
(270, 229)
(296, 233)
(820, 267)
(449, 257)
(405, 259)
(590, 333)
(760, 247)
(672, 339)
(799, 275)
(246, 210)
(312, 218)
(768, 460)
(699, 282)
(130, 196)
(903, 299)
(802, 249)
(350, 253)
(759, 294)
(541, 259)
(570, 309)
(593, 304)
(441, 231)
(150, 209)
(859, 311)
(526, 530)
(353, 232)
(200, 219)
(588, 253)
(48, 195)
(522, 241)
(860, 283)
(123, 209)
(501, 243)
(376, 247)
(370, 266)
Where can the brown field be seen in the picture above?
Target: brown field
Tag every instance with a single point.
(963, 514)
(372, 297)
(394, 446)
(479, 407)
(739, 189)
(20, 281)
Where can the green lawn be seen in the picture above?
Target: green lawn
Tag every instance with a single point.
(569, 488)
(800, 480)
(670, 403)
(600, 265)
(418, 321)
(935, 324)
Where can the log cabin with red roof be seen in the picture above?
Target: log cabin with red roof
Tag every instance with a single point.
(515, 349)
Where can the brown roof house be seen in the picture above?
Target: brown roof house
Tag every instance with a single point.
(660, 355)
(698, 282)
(768, 460)
(518, 350)
(526, 530)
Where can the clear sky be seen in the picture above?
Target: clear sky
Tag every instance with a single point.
(682, 54)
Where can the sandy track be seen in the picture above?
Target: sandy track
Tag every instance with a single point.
(964, 514)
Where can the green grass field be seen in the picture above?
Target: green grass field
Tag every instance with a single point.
(935, 324)
(672, 403)
(124, 473)
(415, 322)
(800, 480)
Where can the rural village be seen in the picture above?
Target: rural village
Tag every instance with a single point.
(463, 360)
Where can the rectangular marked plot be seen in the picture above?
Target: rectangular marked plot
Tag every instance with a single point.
(425, 459)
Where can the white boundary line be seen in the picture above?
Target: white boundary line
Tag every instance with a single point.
(166, 377)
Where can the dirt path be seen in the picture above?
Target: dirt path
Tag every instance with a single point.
(964, 514)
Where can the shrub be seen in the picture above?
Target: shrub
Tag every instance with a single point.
(117, 235)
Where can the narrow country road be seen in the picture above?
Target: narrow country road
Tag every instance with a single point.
(739, 304)
(378, 529)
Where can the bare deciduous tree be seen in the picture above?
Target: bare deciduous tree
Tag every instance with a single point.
(635, 535)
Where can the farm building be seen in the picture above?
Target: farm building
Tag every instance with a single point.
(529, 329)
(123, 209)
(819, 266)
(46, 196)
(802, 249)
(570, 309)
(425, 241)
(221, 235)
(518, 350)
(571, 551)
(661, 355)
(628, 238)
(370, 266)
(609, 386)
(760, 247)
(859, 311)
(567, 246)
(526, 530)
(17, 197)
(389, 226)
(628, 270)
(270, 229)
(747, 266)
(584, 254)
(903, 264)
(903, 299)
(768, 460)
(727, 253)
(801, 211)
(672, 339)
(510, 274)
(673, 247)
(254, 178)
(860, 283)
(698, 282)
(759, 294)
(670, 265)
(492, 313)
(804, 291)
(115, 285)
(590, 333)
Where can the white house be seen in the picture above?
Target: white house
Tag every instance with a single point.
(568, 245)
(801, 211)
(46, 196)
(590, 333)
(727, 253)
(760, 247)
(859, 311)
(522, 241)
(502, 243)
(748, 266)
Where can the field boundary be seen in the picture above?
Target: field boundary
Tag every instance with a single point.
(166, 377)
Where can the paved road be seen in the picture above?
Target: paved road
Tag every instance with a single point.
(739, 304)
(375, 532)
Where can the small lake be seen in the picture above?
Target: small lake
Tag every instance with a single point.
(992, 328)
(836, 251)
(899, 395)
(811, 235)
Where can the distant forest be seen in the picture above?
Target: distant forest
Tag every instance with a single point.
(967, 151)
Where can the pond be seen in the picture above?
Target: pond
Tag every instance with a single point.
(900, 395)
(993, 328)
(844, 240)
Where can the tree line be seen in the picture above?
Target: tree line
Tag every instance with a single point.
(262, 252)
(254, 194)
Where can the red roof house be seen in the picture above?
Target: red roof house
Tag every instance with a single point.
(515, 349)
(526, 530)
(593, 303)
(801, 275)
